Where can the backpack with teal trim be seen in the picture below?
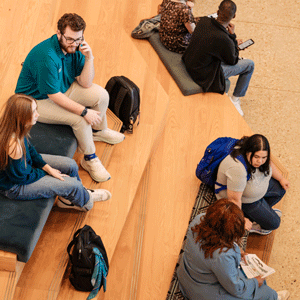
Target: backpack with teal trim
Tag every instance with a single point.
(88, 260)
(215, 152)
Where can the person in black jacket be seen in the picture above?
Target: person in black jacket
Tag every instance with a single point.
(213, 55)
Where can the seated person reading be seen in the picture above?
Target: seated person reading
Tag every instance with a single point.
(209, 268)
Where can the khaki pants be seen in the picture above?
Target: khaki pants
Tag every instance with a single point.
(95, 97)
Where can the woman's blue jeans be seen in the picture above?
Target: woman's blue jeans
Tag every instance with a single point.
(48, 186)
(261, 211)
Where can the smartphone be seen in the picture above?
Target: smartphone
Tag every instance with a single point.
(77, 49)
(214, 15)
(246, 44)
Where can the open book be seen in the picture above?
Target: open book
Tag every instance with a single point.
(255, 267)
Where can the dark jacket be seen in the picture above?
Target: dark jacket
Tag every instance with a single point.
(210, 45)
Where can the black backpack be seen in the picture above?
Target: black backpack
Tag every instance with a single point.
(124, 100)
(82, 258)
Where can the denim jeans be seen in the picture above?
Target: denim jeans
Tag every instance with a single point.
(261, 211)
(48, 186)
(244, 68)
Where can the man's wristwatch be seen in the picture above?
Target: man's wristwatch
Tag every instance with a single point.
(84, 112)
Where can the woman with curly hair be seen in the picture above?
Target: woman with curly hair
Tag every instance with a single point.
(209, 268)
(261, 192)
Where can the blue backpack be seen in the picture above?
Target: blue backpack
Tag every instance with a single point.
(215, 152)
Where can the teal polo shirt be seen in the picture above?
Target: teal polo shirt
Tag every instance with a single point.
(47, 70)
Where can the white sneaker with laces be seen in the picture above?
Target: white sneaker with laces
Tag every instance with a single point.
(108, 136)
(283, 295)
(256, 228)
(95, 168)
(64, 203)
(95, 195)
(237, 105)
(99, 195)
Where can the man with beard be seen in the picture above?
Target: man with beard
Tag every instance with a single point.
(59, 73)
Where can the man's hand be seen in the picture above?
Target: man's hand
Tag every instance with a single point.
(92, 117)
(86, 50)
(260, 280)
(230, 28)
(248, 224)
(239, 41)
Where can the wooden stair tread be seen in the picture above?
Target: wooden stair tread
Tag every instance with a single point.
(50, 251)
(162, 237)
(127, 166)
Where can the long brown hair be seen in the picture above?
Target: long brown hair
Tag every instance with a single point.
(14, 123)
(222, 225)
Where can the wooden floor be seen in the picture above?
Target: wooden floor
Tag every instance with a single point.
(153, 171)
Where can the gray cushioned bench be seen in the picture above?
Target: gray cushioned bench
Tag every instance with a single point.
(21, 222)
(176, 67)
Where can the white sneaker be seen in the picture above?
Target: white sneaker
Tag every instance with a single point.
(64, 203)
(283, 295)
(99, 195)
(278, 212)
(256, 228)
(108, 136)
(237, 105)
(95, 168)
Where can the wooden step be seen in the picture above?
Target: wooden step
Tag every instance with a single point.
(171, 191)
(171, 188)
(50, 251)
(128, 163)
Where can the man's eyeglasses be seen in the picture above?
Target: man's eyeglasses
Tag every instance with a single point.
(71, 41)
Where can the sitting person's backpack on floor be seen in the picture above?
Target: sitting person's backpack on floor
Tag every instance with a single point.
(89, 262)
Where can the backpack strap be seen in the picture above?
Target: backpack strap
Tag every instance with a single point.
(242, 160)
(72, 243)
(221, 187)
(120, 96)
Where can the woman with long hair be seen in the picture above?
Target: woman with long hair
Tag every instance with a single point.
(262, 191)
(27, 175)
(209, 268)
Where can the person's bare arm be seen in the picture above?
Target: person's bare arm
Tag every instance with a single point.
(236, 197)
(276, 174)
(15, 149)
(85, 79)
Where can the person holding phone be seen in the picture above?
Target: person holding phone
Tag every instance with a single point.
(59, 73)
(213, 55)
